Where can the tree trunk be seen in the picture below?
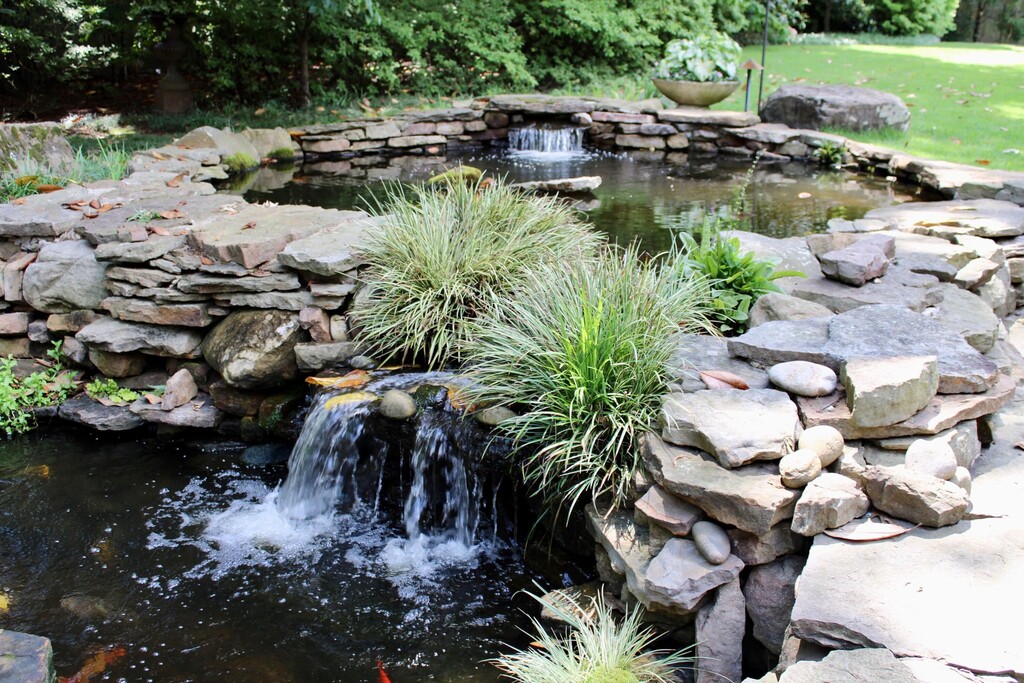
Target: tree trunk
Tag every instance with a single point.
(307, 21)
(828, 16)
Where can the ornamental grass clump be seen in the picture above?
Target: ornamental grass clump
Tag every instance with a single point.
(442, 255)
(581, 354)
(595, 649)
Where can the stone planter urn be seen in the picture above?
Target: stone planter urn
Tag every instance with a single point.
(694, 93)
(173, 94)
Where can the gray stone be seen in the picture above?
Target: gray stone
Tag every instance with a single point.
(138, 252)
(931, 459)
(712, 542)
(828, 502)
(788, 254)
(361, 362)
(835, 106)
(944, 412)
(760, 549)
(397, 405)
(26, 147)
(708, 419)
(117, 364)
(25, 658)
(267, 140)
(710, 117)
(962, 439)
(969, 316)
(223, 141)
(118, 336)
(65, 277)
(887, 331)
(856, 264)
(200, 283)
(680, 577)
(840, 298)
(43, 215)
(627, 546)
(782, 341)
(179, 390)
(803, 378)
(661, 507)
(976, 273)
(252, 349)
(85, 411)
(979, 217)
(329, 252)
(570, 185)
(38, 333)
(14, 324)
(144, 277)
(285, 301)
(695, 353)
(962, 478)
(314, 357)
(142, 311)
(779, 306)
(720, 626)
(770, 592)
(266, 455)
(799, 468)
(926, 264)
(198, 414)
(913, 246)
(826, 441)
(915, 498)
(339, 328)
(999, 294)
(884, 391)
(751, 498)
(852, 666)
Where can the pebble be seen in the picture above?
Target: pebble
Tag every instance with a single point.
(493, 416)
(265, 455)
(799, 468)
(712, 542)
(826, 441)
(962, 478)
(363, 363)
(397, 405)
(803, 378)
(932, 459)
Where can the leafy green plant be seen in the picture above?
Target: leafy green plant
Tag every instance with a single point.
(109, 389)
(239, 162)
(144, 216)
(442, 255)
(18, 396)
(596, 649)
(706, 57)
(830, 154)
(580, 352)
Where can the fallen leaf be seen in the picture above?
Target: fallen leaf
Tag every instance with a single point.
(90, 214)
(352, 380)
(345, 399)
(104, 401)
(160, 156)
(43, 189)
(206, 261)
(197, 406)
(458, 400)
(152, 399)
(38, 471)
(107, 207)
(260, 112)
(5, 603)
(95, 203)
(176, 180)
(249, 226)
(20, 200)
(982, 162)
(861, 530)
(173, 213)
(1020, 445)
(157, 230)
(720, 379)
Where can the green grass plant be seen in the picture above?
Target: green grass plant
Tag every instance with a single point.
(441, 255)
(580, 352)
(100, 161)
(240, 162)
(966, 100)
(596, 649)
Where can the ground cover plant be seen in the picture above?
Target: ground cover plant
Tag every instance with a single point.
(596, 648)
(580, 352)
(444, 254)
(966, 100)
(19, 394)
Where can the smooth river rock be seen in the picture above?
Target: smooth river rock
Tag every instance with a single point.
(803, 378)
(255, 348)
(799, 468)
(826, 441)
(712, 542)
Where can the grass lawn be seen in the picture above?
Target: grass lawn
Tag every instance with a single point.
(966, 100)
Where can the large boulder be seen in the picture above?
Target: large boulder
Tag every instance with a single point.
(65, 277)
(223, 141)
(25, 658)
(835, 106)
(255, 348)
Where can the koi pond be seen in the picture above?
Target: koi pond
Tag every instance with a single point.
(172, 560)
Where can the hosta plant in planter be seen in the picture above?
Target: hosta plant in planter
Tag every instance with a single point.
(698, 71)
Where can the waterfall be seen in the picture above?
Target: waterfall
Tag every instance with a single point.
(323, 466)
(554, 140)
(328, 471)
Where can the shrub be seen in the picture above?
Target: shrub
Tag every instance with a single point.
(110, 390)
(442, 255)
(581, 353)
(596, 649)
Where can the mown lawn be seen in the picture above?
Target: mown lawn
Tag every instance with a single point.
(966, 100)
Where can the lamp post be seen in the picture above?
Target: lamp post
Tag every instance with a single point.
(764, 51)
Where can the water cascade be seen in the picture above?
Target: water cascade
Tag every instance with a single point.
(559, 140)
